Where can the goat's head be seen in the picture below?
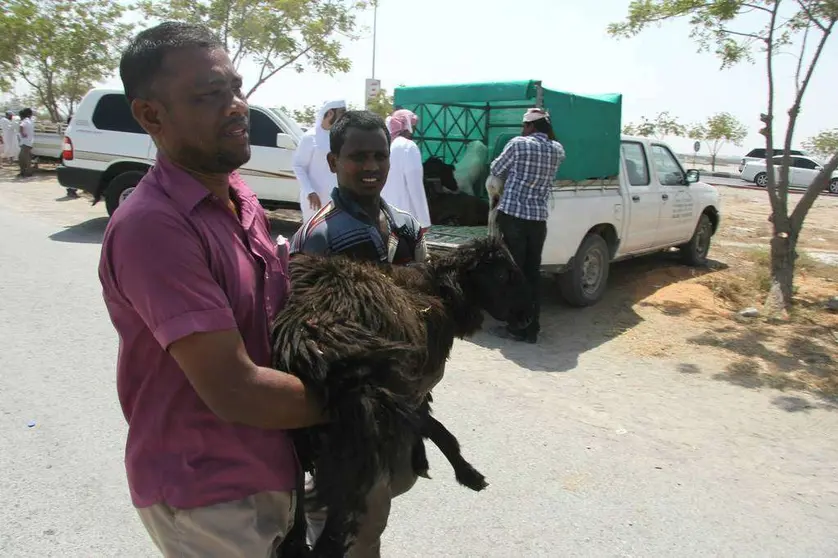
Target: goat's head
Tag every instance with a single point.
(491, 279)
(436, 168)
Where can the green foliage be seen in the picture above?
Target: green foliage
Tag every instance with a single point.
(824, 144)
(662, 126)
(273, 34)
(304, 117)
(60, 48)
(381, 104)
(718, 130)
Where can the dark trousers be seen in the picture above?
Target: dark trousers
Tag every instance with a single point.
(25, 160)
(525, 240)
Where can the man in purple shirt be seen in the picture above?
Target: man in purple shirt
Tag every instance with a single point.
(191, 279)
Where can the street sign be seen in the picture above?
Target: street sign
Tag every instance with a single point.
(373, 86)
(696, 146)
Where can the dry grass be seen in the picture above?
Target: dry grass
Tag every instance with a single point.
(800, 352)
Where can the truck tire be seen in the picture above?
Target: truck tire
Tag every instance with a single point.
(761, 180)
(695, 251)
(585, 282)
(120, 187)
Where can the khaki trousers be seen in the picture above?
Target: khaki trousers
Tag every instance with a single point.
(253, 527)
(373, 523)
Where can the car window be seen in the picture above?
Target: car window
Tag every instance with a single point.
(667, 166)
(760, 153)
(263, 130)
(803, 163)
(113, 113)
(635, 158)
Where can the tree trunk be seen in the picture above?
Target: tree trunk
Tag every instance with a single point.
(713, 162)
(783, 256)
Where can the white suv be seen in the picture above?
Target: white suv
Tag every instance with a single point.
(106, 152)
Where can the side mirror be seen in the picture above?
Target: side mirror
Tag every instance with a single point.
(693, 176)
(284, 141)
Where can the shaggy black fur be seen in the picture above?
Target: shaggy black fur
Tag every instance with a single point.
(366, 338)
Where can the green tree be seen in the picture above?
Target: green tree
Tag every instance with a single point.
(718, 130)
(304, 117)
(381, 104)
(60, 48)
(273, 34)
(662, 126)
(824, 144)
(734, 30)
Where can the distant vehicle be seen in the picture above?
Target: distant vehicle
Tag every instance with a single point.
(758, 154)
(802, 173)
(106, 153)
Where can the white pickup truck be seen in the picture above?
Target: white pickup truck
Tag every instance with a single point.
(653, 204)
(106, 152)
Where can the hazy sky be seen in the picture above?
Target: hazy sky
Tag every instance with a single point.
(564, 44)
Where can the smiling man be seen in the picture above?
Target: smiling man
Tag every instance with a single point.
(191, 279)
(358, 223)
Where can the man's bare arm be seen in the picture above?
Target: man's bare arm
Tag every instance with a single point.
(235, 389)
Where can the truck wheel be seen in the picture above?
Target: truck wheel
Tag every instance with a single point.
(120, 188)
(761, 180)
(695, 251)
(585, 282)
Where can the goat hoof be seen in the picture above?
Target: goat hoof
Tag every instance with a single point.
(471, 478)
(423, 474)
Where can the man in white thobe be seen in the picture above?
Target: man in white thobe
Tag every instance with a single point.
(405, 187)
(10, 147)
(316, 179)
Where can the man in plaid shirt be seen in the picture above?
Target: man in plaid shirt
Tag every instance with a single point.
(528, 164)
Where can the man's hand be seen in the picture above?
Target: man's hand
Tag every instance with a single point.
(234, 388)
(314, 201)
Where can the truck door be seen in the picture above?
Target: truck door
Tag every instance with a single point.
(643, 199)
(677, 210)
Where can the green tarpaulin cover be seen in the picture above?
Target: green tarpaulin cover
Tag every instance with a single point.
(451, 116)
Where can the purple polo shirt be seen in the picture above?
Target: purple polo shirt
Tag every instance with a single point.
(175, 261)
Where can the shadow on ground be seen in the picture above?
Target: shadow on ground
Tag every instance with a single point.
(87, 232)
(568, 332)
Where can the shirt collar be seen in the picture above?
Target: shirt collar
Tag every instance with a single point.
(349, 205)
(188, 192)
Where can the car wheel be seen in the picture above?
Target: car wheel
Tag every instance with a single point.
(120, 188)
(585, 282)
(695, 251)
(761, 180)
(833, 186)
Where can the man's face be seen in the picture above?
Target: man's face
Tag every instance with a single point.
(198, 115)
(331, 117)
(363, 162)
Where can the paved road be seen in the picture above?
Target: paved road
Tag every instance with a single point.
(589, 452)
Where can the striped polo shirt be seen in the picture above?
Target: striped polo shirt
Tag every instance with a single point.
(342, 227)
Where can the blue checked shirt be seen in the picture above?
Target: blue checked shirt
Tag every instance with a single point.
(529, 164)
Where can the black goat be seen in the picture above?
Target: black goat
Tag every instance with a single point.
(367, 338)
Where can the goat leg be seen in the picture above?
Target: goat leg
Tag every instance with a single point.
(465, 474)
(419, 458)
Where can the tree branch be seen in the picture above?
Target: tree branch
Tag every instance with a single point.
(810, 15)
(812, 193)
(749, 35)
(794, 111)
(768, 119)
(757, 7)
(277, 69)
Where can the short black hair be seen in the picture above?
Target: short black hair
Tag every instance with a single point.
(358, 119)
(544, 126)
(25, 113)
(143, 58)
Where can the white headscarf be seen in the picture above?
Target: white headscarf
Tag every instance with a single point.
(322, 136)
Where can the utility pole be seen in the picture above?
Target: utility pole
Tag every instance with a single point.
(374, 33)
(372, 85)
